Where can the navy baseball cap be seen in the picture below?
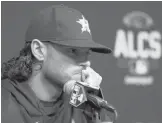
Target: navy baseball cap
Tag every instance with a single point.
(65, 26)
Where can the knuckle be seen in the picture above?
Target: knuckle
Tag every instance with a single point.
(100, 79)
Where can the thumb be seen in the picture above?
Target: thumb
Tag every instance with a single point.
(68, 86)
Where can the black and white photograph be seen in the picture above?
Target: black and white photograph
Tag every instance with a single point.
(81, 62)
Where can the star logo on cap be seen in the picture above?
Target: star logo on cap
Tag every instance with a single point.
(85, 25)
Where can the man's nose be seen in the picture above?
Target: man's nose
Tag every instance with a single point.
(85, 64)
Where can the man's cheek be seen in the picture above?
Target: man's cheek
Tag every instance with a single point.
(76, 77)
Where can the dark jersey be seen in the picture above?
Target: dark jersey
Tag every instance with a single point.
(20, 105)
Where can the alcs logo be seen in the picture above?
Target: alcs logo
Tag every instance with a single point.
(138, 44)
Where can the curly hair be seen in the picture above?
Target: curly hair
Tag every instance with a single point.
(19, 68)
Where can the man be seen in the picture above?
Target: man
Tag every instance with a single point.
(58, 43)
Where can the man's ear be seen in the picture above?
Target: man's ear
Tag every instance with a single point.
(39, 50)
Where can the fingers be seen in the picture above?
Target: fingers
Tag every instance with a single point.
(91, 78)
(84, 75)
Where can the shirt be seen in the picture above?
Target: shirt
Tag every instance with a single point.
(20, 105)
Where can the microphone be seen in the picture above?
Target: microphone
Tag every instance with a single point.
(81, 94)
(101, 103)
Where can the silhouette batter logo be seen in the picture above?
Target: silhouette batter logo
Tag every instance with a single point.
(138, 48)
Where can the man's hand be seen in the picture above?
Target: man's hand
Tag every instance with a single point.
(90, 78)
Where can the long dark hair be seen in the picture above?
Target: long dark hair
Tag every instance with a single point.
(19, 68)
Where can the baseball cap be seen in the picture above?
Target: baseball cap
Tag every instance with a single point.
(65, 26)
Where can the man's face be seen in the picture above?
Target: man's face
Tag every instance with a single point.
(65, 63)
